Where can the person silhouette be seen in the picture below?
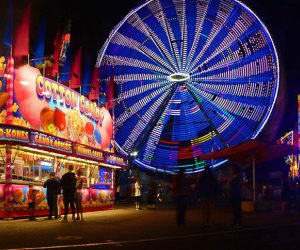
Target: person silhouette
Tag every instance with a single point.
(138, 194)
(235, 196)
(68, 183)
(53, 189)
(180, 195)
(208, 191)
(78, 198)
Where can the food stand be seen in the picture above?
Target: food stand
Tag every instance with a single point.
(44, 127)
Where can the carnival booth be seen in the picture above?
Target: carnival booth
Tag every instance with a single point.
(44, 127)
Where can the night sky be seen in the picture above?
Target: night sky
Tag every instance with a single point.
(92, 22)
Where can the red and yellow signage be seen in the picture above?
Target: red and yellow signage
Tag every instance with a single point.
(116, 160)
(47, 114)
(89, 152)
(48, 106)
(298, 134)
(48, 141)
(8, 133)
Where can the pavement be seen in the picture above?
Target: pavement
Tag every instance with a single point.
(127, 228)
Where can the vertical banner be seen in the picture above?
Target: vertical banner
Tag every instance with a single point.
(8, 186)
(65, 43)
(298, 127)
(38, 59)
(110, 92)
(21, 38)
(94, 91)
(55, 68)
(10, 89)
(86, 75)
(298, 137)
(75, 77)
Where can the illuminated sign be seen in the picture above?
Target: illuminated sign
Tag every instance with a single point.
(14, 134)
(89, 152)
(48, 141)
(117, 160)
(50, 107)
(63, 96)
(4, 75)
(104, 177)
(298, 137)
(2, 66)
(2, 191)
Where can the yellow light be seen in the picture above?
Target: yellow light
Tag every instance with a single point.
(42, 151)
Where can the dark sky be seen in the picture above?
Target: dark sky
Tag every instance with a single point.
(93, 20)
(281, 17)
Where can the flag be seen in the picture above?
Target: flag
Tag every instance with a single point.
(75, 81)
(65, 43)
(64, 74)
(8, 31)
(110, 92)
(56, 52)
(10, 89)
(86, 76)
(94, 93)
(21, 38)
(39, 51)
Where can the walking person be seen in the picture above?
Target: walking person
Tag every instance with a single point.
(180, 195)
(31, 200)
(68, 184)
(79, 186)
(151, 195)
(160, 193)
(138, 194)
(235, 196)
(117, 197)
(208, 189)
(53, 190)
(132, 191)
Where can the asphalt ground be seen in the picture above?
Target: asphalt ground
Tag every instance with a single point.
(127, 228)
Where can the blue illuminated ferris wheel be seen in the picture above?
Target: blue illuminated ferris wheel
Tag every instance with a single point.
(191, 76)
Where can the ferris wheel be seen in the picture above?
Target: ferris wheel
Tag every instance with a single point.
(191, 77)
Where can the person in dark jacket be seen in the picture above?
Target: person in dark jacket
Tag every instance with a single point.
(79, 190)
(235, 196)
(208, 191)
(53, 189)
(180, 195)
(151, 197)
(68, 184)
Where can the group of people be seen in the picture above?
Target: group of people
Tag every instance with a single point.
(71, 185)
(154, 193)
(208, 189)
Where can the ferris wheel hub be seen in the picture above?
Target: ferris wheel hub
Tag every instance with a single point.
(179, 77)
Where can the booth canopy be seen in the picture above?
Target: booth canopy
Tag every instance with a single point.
(244, 153)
